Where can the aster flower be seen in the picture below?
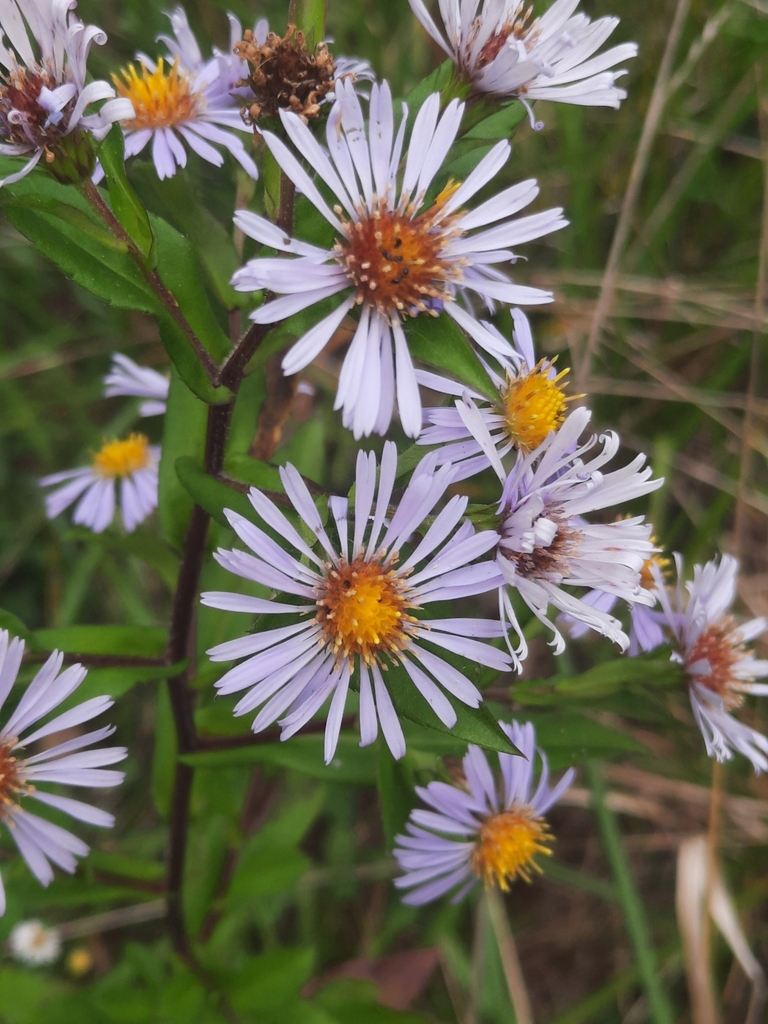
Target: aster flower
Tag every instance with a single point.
(712, 647)
(531, 404)
(134, 462)
(490, 829)
(547, 545)
(185, 99)
(395, 256)
(34, 944)
(353, 605)
(128, 378)
(504, 51)
(39, 842)
(43, 91)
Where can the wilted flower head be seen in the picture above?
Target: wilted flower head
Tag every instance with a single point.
(356, 603)
(131, 380)
(505, 51)
(487, 829)
(289, 73)
(531, 404)
(184, 98)
(133, 461)
(32, 943)
(712, 647)
(43, 91)
(395, 256)
(547, 547)
(69, 764)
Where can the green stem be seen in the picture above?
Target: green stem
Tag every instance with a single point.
(629, 900)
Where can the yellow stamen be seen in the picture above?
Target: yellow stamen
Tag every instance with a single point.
(122, 458)
(647, 582)
(507, 845)
(160, 98)
(534, 405)
(362, 610)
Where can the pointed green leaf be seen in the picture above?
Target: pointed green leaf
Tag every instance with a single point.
(126, 205)
(441, 343)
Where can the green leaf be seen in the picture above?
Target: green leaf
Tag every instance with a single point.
(440, 342)
(442, 80)
(184, 431)
(164, 759)
(116, 682)
(269, 981)
(14, 625)
(251, 396)
(475, 725)
(208, 845)
(126, 205)
(254, 472)
(570, 738)
(492, 121)
(351, 763)
(602, 680)
(396, 791)
(210, 494)
(126, 867)
(130, 641)
(141, 544)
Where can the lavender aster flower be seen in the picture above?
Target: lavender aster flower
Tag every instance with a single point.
(128, 378)
(476, 433)
(43, 91)
(134, 462)
(354, 603)
(713, 649)
(191, 100)
(504, 51)
(488, 829)
(546, 544)
(393, 256)
(69, 763)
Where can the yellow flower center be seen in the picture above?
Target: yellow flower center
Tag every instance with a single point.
(647, 582)
(362, 610)
(160, 98)
(534, 405)
(507, 846)
(396, 261)
(122, 458)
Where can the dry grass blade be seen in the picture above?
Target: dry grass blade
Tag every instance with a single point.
(510, 961)
(636, 176)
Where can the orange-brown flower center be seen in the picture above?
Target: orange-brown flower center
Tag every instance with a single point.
(363, 610)
(397, 261)
(718, 646)
(518, 28)
(507, 846)
(20, 93)
(10, 782)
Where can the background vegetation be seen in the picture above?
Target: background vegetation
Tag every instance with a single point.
(289, 886)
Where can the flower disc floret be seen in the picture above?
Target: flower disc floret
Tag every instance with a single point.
(123, 458)
(507, 847)
(534, 405)
(160, 98)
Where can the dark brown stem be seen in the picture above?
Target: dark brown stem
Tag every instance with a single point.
(153, 279)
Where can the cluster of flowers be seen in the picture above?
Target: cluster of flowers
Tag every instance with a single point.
(353, 602)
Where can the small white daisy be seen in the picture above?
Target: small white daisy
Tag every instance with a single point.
(547, 546)
(43, 91)
(354, 605)
(531, 404)
(126, 378)
(134, 462)
(395, 256)
(34, 944)
(69, 764)
(490, 829)
(505, 51)
(712, 647)
(185, 99)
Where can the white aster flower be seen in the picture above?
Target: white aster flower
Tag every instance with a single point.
(547, 547)
(531, 404)
(712, 647)
(354, 604)
(134, 462)
(186, 99)
(126, 378)
(43, 91)
(69, 764)
(505, 52)
(490, 829)
(34, 944)
(395, 256)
